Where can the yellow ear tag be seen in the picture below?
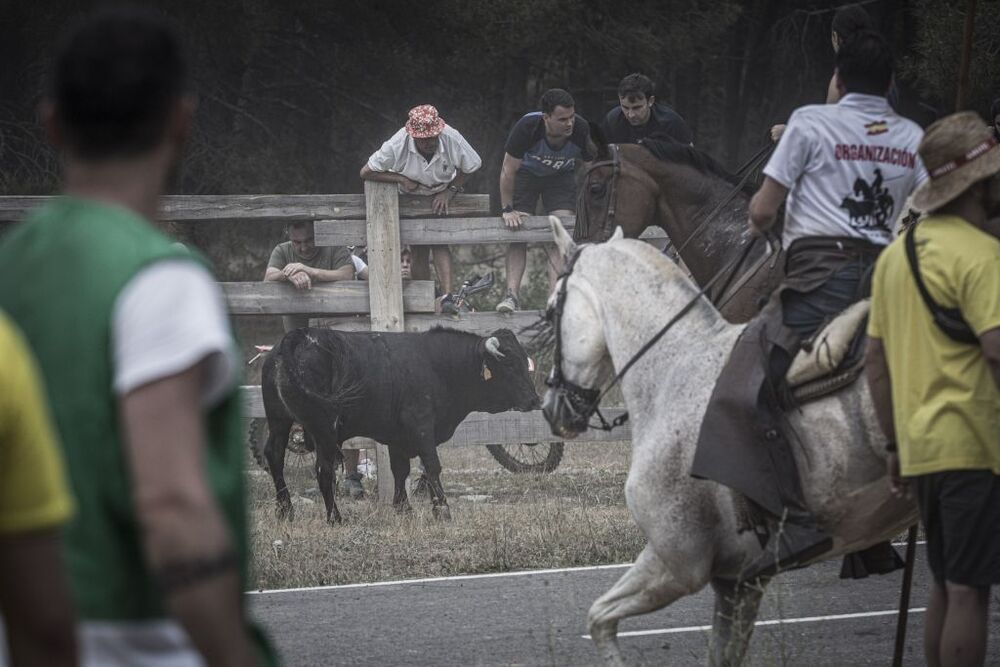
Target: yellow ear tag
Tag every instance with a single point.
(487, 374)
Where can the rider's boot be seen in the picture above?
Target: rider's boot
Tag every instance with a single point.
(797, 538)
(795, 541)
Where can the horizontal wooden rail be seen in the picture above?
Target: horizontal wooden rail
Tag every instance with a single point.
(479, 428)
(344, 297)
(277, 208)
(453, 231)
(480, 324)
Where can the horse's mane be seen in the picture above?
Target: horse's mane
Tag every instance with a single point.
(667, 149)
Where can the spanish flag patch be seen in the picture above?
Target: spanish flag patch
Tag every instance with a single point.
(878, 127)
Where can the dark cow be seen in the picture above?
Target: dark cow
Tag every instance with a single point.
(408, 391)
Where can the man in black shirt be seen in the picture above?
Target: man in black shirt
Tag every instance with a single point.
(639, 116)
(542, 153)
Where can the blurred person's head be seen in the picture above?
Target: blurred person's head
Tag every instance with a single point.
(848, 22)
(303, 239)
(118, 89)
(864, 64)
(635, 95)
(558, 112)
(405, 263)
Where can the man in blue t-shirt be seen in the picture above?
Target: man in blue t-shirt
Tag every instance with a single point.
(638, 116)
(541, 156)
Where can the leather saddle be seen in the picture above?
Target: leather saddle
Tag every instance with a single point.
(833, 358)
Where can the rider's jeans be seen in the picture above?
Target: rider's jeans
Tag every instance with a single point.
(805, 313)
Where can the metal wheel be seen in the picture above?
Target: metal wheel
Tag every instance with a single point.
(297, 452)
(528, 456)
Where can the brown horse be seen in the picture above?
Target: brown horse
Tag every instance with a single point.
(628, 186)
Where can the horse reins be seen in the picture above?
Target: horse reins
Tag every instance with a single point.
(748, 168)
(609, 215)
(583, 400)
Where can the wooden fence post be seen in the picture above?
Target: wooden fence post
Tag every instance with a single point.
(385, 285)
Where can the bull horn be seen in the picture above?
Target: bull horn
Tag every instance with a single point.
(493, 347)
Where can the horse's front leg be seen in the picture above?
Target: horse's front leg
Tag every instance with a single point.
(647, 586)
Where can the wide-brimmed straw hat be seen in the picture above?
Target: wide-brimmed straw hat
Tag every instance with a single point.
(424, 122)
(957, 151)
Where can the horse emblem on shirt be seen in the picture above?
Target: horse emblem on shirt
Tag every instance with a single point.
(871, 205)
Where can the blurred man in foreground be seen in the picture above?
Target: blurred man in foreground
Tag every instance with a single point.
(135, 347)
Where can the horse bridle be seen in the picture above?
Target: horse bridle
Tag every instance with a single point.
(583, 218)
(574, 404)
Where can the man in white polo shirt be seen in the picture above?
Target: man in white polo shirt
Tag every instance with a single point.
(426, 157)
(846, 170)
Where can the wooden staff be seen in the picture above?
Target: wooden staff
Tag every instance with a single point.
(904, 596)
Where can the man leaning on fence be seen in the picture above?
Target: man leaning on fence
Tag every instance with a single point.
(427, 157)
(543, 151)
(135, 348)
(302, 263)
(936, 387)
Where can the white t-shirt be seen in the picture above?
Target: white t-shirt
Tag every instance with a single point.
(399, 155)
(849, 168)
(171, 315)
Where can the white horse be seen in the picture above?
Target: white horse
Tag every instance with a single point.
(618, 295)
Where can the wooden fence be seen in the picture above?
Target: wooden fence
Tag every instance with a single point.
(383, 220)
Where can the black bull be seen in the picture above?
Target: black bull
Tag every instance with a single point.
(409, 391)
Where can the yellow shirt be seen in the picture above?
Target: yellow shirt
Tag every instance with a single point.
(946, 406)
(33, 489)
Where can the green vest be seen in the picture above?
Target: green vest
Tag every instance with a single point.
(60, 274)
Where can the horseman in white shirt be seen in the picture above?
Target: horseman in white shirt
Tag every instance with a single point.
(426, 157)
(844, 171)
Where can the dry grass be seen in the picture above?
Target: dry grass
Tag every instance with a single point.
(574, 516)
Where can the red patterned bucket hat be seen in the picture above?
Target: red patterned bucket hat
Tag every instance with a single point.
(424, 122)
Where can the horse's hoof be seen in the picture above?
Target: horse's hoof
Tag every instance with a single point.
(335, 519)
(441, 513)
(402, 508)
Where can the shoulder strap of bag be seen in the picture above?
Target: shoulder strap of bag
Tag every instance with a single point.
(949, 320)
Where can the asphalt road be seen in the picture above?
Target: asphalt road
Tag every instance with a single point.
(810, 617)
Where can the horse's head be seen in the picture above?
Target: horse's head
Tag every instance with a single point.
(581, 364)
(614, 191)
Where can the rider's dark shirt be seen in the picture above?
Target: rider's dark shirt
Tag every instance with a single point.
(662, 121)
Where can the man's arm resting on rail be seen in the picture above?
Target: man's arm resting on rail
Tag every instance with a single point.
(510, 166)
(345, 272)
(369, 174)
(35, 600)
(182, 525)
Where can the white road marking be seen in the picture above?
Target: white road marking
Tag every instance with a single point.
(432, 580)
(460, 577)
(777, 621)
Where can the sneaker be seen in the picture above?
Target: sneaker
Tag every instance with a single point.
(509, 304)
(352, 484)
